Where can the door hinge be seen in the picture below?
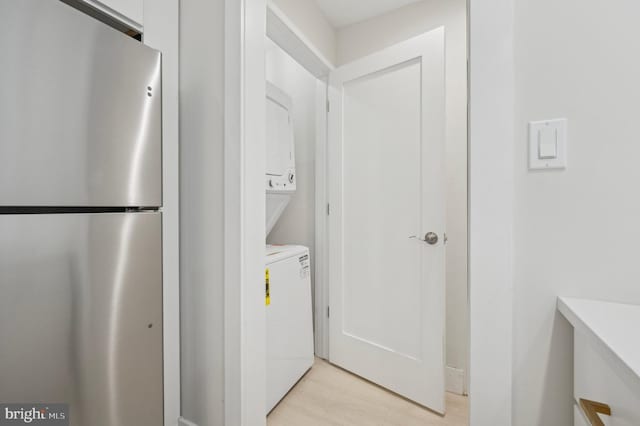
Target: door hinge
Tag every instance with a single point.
(328, 106)
(328, 209)
(328, 312)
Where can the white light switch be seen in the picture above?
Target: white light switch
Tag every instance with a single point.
(547, 144)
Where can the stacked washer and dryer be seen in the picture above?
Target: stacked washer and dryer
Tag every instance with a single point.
(288, 267)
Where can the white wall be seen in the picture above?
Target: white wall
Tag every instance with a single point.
(201, 206)
(297, 223)
(576, 231)
(363, 38)
(307, 16)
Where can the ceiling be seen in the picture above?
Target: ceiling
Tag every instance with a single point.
(341, 13)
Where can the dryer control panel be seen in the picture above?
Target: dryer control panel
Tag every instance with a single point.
(280, 161)
(285, 182)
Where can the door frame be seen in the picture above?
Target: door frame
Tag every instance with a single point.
(490, 214)
(244, 353)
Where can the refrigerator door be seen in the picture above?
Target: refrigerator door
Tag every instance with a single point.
(81, 315)
(80, 110)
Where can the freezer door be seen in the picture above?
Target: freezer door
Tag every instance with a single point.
(80, 110)
(81, 315)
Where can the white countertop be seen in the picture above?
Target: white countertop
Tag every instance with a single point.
(615, 326)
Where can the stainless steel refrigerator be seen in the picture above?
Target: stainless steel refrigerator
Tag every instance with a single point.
(80, 216)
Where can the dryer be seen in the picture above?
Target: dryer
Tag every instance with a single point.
(280, 176)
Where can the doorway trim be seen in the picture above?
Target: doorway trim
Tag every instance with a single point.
(244, 356)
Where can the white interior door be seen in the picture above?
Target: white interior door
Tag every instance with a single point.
(386, 168)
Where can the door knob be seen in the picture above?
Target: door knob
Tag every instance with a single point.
(429, 238)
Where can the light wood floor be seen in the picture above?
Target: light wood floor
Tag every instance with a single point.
(328, 396)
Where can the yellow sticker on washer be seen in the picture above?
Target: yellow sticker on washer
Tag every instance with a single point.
(267, 298)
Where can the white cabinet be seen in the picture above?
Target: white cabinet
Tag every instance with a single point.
(606, 361)
(130, 12)
(597, 379)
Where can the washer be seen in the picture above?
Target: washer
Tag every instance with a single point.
(289, 319)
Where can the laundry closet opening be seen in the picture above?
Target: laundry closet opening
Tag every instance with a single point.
(290, 180)
(366, 217)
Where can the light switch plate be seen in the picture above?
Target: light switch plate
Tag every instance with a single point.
(548, 144)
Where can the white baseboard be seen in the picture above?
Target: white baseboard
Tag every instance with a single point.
(454, 380)
(184, 422)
